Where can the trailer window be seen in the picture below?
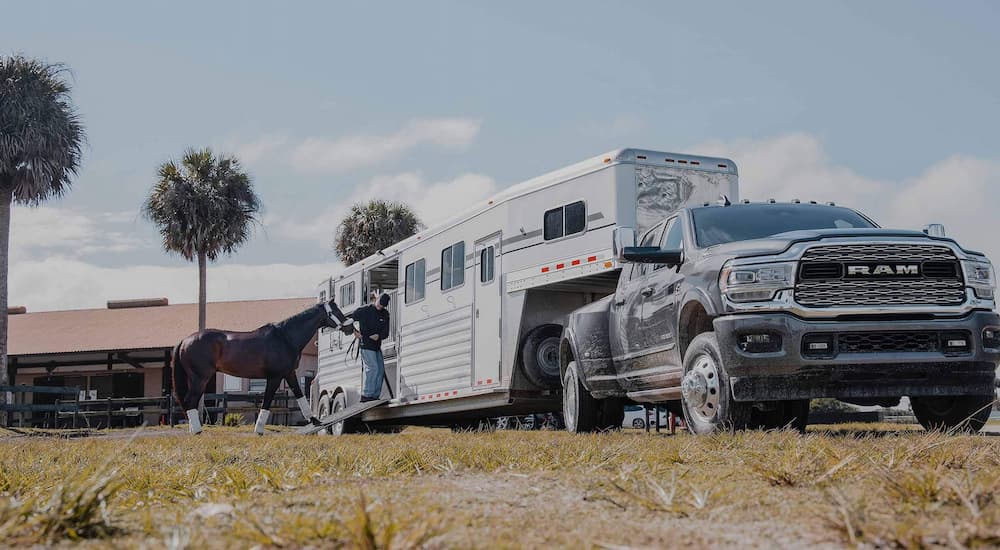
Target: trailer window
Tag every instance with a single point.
(453, 266)
(347, 297)
(414, 281)
(565, 220)
(486, 260)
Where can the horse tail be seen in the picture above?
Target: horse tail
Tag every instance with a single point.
(181, 385)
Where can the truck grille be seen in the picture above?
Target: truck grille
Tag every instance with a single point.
(837, 275)
(881, 342)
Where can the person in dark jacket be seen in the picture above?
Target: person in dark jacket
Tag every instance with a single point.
(373, 321)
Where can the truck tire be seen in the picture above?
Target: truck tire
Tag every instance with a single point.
(540, 356)
(324, 410)
(337, 404)
(580, 409)
(953, 413)
(708, 401)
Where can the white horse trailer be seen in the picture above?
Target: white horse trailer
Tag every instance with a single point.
(478, 302)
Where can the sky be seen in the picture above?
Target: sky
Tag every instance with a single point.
(891, 107)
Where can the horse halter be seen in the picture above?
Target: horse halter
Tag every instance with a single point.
(331, 315)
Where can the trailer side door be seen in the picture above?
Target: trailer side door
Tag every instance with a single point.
(487, 315)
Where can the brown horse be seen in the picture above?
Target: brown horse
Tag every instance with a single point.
(271, 352)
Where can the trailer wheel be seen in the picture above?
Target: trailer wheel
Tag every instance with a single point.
(708, 401)
(580, 409)
(337, 404)
(324, 411)
(953, 413)
(540, 356)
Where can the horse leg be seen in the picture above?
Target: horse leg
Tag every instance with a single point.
(300, 398)
(190, 400)
(265, 410)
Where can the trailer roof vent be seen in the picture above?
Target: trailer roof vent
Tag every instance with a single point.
(139, 302)
(17, 310)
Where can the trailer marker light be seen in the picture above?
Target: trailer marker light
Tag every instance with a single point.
(592, 259)
(575, 262)
(545, 269)
(722, 166)
(607, 160)
(608, 264)
(683, 161)
(489, 380)
(695, 162)
(560, 266)
(669, 160)
(641, 157)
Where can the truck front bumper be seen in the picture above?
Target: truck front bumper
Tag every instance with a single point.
(863, 359)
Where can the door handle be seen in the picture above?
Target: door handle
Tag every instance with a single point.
(647, 292)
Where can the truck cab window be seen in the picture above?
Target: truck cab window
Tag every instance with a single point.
(649, 239)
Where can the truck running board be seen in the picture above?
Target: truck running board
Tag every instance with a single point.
(349, 412)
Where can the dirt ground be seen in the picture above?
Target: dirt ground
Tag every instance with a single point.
(849, 486)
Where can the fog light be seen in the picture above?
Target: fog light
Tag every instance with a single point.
(760, 343)
(955, 342)
(817, 345)
(991, 338)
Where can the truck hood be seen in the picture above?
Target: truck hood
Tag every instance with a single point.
(777, 244)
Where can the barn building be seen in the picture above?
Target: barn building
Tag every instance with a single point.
(123, 351)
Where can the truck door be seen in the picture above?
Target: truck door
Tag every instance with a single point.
(659, 308)
(486, 326)
(629, 297)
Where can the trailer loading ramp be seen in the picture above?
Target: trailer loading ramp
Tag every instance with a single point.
(349, 412)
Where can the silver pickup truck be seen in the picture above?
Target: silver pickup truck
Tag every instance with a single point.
(736, 316)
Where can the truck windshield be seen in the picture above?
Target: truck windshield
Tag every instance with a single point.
(742, 222)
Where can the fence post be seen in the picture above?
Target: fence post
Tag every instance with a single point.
(109, 414)
(170, 408)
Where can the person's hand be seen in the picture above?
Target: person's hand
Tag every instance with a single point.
(357, 334)
(374, 337)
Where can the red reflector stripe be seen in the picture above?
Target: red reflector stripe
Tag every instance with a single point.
(489, 380)
(545, 270)
(560, 266)
(592, 259)
(575, 262)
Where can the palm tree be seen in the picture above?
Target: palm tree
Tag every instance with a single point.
(204, 207)
(40, 147)
(369, 228)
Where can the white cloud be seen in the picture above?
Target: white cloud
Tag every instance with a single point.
(433, 202)
(961, 192)
(46, 230)
(252, 151)
(318, 155)
(63, 283)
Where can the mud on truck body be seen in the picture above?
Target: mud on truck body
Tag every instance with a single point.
(737, 315)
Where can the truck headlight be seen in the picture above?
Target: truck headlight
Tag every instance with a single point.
(980, 277)
(755, 283)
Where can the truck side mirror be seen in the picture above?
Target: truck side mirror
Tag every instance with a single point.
(934, 230)
(653, 255)
(622, 238)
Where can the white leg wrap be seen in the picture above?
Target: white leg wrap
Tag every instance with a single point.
(262, 417)
(194, 422)
(304, 407)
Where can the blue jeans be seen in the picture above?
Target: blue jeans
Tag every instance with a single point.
(374, 371)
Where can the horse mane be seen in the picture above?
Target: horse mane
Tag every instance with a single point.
(294, 318)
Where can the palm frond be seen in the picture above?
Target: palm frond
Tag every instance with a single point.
(373, 226)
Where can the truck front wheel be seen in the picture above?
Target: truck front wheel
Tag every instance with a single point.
(580, 409)
(953, 413)
(708, 401)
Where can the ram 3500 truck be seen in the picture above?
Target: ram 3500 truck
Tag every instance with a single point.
(737, 315)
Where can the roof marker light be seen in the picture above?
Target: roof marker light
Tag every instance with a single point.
(722, 166)
(771, 201)
(695, 162)
(796, 201)
(641, 157)
(812, 202)
(607, 160)
(668, 160)
(745, 201)
(831, 203)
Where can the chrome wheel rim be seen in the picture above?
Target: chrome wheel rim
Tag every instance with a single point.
(700, 388)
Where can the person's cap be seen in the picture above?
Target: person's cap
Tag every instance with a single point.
(383, 300)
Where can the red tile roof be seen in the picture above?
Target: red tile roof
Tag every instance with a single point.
(137, 328)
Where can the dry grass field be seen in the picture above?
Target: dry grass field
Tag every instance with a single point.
(849, 486)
